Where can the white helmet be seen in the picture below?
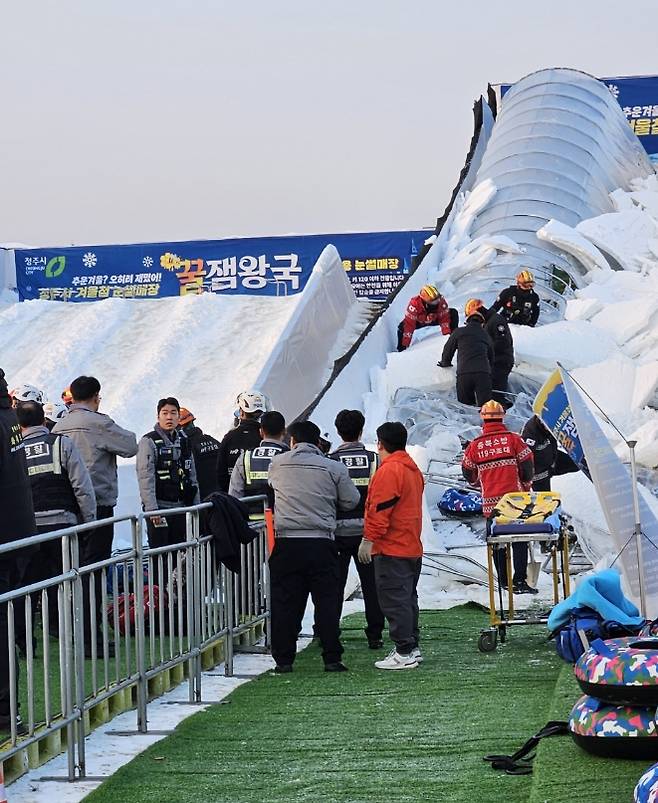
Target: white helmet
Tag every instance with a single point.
(253, 401)
(25, 393)
(55, 410)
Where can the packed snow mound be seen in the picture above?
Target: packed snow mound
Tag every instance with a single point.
(201, 349)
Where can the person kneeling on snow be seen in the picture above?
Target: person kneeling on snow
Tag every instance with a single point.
(475, 358)
(428, 308)
(391, 539)
(502, 463)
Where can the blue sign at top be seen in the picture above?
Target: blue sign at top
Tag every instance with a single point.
(273, 266)
(638, 98)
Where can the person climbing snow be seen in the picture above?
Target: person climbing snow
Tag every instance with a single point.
(475, 357)
(519, 303)
(497, 328)
(428, 308)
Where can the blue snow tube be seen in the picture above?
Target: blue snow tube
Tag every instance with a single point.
(461, 504)
(646, 790)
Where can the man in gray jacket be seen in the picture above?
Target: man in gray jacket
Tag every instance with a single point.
(100, 441)
(166, 475)
(308, 490)
(62, 494)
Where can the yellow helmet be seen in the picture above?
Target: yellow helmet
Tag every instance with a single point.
(525, 279)
(491, 411)
(429, 293)
(473, 307)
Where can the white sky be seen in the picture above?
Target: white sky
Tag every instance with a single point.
(136, 120)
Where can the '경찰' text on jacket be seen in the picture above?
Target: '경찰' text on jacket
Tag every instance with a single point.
(308, 489)
(100, 441)
(361, 465)
(500, 460)
(394, 508)
(61, 483)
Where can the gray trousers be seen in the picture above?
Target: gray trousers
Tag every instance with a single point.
(396, 580)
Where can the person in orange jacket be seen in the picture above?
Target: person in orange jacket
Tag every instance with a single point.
(428, 308)
(391, 539)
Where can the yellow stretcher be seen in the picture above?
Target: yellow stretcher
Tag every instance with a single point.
(524, 517)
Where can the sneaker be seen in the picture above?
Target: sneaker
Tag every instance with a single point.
(396, 661)
(375, 643)
(283, 669)
(524, 588)
(337, 666)
(417, 655)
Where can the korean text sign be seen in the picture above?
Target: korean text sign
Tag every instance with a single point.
(275, 266)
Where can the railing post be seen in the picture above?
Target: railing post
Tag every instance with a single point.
(140, 623)
(66, 655)
(190, 602)
(198, 601)
(230, 617)
(79, 649)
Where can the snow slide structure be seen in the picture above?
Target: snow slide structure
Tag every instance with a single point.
(539, 190)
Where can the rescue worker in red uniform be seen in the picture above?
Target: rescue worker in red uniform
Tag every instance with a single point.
(428, 308)
(502, 463)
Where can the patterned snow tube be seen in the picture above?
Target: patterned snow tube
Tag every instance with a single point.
(614, 731)
(622, 671)
(646, 790)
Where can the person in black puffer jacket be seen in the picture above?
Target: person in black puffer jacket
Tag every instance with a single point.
(497, 328)
(246, 435)
(475, 357)
(205, 450)
(550, 461)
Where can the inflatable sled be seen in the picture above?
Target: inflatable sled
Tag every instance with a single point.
(461, 504)
(646, 790)
(622, 671)
(614, 731)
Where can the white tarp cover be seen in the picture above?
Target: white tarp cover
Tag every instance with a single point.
(299, 363)
(613, 486)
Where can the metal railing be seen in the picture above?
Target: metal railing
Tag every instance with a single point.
(165, 606)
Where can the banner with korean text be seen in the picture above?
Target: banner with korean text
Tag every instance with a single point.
(272, 266)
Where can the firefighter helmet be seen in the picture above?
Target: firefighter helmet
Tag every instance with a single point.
(491, 411)
(473, 307)
(525, 279)
(429, 293)
(25, 393)
(186, 417)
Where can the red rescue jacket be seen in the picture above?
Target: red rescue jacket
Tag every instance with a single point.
(501, 460)
(420, 314)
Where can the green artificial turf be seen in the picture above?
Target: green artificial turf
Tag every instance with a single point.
(366, 735)
(563, 772)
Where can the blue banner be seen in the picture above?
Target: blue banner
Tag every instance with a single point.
(552, 406)
(273, 266)
(638, 98)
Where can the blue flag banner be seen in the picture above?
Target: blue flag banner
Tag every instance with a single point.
(552, 406)
(270, 266)
(638, 98)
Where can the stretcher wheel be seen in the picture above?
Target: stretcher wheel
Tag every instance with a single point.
(488, 640)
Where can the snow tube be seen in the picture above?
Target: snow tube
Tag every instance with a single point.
(614, 731)
(623, 671)
(461, 504)
(646, 790)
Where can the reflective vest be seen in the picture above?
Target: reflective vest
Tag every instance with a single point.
(173, 465)
(256, 469)
(361, 465)
(51, 487)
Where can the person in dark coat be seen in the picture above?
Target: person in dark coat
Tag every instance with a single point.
(497, 328)
(205, 450)
(550, 461)
(519, 303)
(475, 356)
(16, 522)
(246, 435)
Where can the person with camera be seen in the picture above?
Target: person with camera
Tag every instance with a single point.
(166, 475)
